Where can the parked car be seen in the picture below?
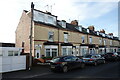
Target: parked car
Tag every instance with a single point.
(111, 56)
(65, 63)
(118, 55)
(93, 59)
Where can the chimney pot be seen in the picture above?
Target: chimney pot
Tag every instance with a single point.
(91, 28)
(74, 22)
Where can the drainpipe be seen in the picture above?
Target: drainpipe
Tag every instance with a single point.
(58, 44)
(87, 43)
(31, 27)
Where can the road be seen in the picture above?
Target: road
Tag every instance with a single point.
(108, 70)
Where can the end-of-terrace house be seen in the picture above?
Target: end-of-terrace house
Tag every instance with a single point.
(52, 37)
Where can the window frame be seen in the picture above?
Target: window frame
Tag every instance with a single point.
(50, 33)
(65, 37)
(90, 40)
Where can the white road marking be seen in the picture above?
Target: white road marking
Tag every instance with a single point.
(37, 75)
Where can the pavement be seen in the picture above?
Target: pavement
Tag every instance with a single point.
(38, 70)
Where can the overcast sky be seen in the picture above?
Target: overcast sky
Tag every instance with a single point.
(103, 14)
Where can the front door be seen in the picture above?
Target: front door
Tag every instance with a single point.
(37, 51)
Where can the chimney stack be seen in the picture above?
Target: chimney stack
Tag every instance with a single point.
(74, 22)
(48, 13)
(111, 34)
(91, 28)
(102, 31)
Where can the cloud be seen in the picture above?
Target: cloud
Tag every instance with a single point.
(68, 10)
(77, 9)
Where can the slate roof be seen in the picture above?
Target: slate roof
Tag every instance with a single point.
(7, 44)
(71, 27)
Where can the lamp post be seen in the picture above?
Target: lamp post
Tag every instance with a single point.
(31, 27)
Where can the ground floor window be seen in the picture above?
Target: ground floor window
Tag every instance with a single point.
(107, 50)
(77, 51)
(118, 49)
(47, 52)
(66, 50)
(51, 51)
(111, 50)
(101, 50)
(84, 50)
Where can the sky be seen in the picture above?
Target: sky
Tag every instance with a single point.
(103, 14)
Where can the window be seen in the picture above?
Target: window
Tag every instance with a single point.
(50, 20)
(47, 52)
(110, 42)
(45, 18)
(88, 30)
(1, 53)
(68, 59)
(90, 40)
(83, 39)
(51, 36)
(69, 51)
(66, 37)
(66, 50)
(51, 51)
(54, 52)
(15, 53)
(79, 28)
(100, 41)
(63, 24)
(104, 42)
(74, 58)
(97, 33)
(10, 53)
(38, 16)
(84, 50)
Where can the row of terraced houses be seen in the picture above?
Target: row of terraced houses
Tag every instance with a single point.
(53, 37)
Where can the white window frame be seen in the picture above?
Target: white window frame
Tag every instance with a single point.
(104, 42)
(50, 33)
(111, 42)
(65, 37)
(90, 40)
(51, 47)
(100, 41)
(67, 47)
(88, 30)
(83, 38)
(63, 24)
(44, 17)
(98, 33)
(85, 49)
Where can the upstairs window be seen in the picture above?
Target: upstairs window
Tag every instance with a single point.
(44, 17)
(50, 20)
(90, 40)
(104, 42)
(62, 23)
(65, 37)
(110, 42)
(97, 33)
(79, 28)
(51, 36)
(88, 31)
(100, 41)
(83, 39)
